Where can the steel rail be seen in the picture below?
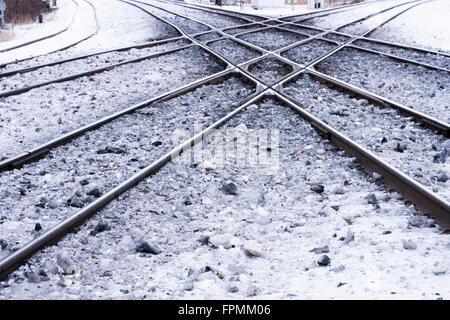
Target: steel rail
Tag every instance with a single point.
(402, 59)
(405, 46)
(205, 7)
(412, 191)
(206, 10)
(38, 151)
(47, 36)
(391, 176)
(91, 72)
(436, 124)
(331, 10)
(11, 262)
(63, 48)
(54, 63)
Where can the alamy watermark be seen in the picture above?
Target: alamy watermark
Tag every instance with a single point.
(239, 146)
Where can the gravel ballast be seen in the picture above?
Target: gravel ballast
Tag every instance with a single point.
(272, 39)
(252, 27)
(178, 234)
(335, 20)
(395, 138)
(234, 51)
(71, 176)
(120, 25)
(50, 73)
(309, 51)
(44, 113)
(295, 27)
(411, 85)
(420, 56)
(213, 19)
(270, 70)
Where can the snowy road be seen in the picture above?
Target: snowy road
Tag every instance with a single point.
(313, 224)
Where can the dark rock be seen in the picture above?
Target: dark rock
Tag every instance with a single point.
(442, 177)
(41, 203)
(384, 140)
(84, 182)
(3, 244)
(421, 222)
(324, 249)
(387, 232)
(340, 284)
(324, 261)
(145, 247)
(318, 188)
(233, 289)
(157, 143)
(106, 274)
(204, 240)
(95, 193)
(101, 226)
(38, 227)
(371, 199)
(229, 187)
(400, 147)
(349, 237)
(75, 202)
(109, 149)
(22, 191)
(52, 204)
(440, 157)
(187, 202)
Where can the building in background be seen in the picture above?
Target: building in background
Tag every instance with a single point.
(24, 11)
(280, 3)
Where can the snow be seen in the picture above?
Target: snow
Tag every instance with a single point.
(83, 25)
(255, 244)
(277, 216)
(53, 22)
(426, 25)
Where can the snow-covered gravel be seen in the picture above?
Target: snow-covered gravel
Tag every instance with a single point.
(53, 22)
(400, 141)
(244, 29)
(187, 25)
(270, 70)
(47, 112)
(414, 86)
(425, 57)
(336, 37)
(424, 26)
(78, 66)
(83, 26)
(215, 20)
(234, 51)
(295, 27)
(208, 36)
(38, 193)
(264, 242)
(309, 51)
(336, 20)
(120, 25)
(272, 39)
(359, 28)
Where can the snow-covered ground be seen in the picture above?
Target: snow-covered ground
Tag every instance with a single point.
(232, 231)
(286, 10)
(426, 26)
(84, 25)
(53, 22)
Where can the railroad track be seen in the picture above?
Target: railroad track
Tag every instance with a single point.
(249, 70)
(49, 37)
